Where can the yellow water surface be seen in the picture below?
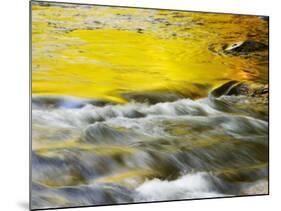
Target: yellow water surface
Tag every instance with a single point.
(101, 52)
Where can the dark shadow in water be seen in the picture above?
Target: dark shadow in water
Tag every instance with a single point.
(24, 205)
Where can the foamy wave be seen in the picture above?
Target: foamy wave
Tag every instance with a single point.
(90, 114)
(196, 185)
(149, 120)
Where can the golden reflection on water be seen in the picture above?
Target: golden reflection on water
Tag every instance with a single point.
(101, 52)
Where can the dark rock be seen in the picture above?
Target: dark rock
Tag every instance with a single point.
(242, 88)
(134, 114)
(152, 97)
(184, 90)
(139, 30)
(244, 47)
(261, 92)
(223, 89)
(239, 89)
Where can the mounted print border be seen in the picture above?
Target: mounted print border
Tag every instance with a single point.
(140, 105)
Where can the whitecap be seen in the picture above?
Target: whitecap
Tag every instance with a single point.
(193, 185)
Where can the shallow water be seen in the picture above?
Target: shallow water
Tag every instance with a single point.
(122, 108)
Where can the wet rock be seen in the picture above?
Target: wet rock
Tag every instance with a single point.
(239, 89)
(140, 30)
(223, 89)
(180, 91)
(134, 114)
(152, 97)
(242, 88)
(262, 92)
(244, 47)
(252, 90)
(252, 99)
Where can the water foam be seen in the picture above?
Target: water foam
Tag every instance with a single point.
(89, 114)
(194, 185)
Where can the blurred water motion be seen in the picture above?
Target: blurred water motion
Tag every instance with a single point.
(133, 105)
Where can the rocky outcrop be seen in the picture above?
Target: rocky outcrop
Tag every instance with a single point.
(244, 47)
(243, 88)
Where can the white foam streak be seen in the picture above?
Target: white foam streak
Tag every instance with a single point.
(61, 117)
(195, 185)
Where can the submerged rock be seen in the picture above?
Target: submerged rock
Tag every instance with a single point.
(242, 88)
(244, 47)
(241, 98)
(180, 91)
(223, 89)
(152, 97)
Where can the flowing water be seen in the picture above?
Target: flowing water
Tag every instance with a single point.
(125, 105)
